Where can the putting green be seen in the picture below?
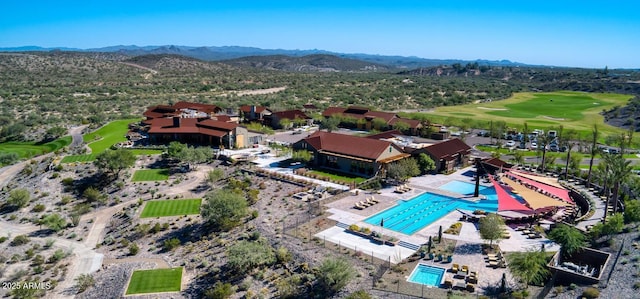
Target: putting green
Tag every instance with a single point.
(155, 281)
(573, 110)
(150, 175)
(173, 207)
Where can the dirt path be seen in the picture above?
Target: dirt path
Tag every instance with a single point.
(85, 259)
(8, 172)
(160, 263)
(186, 188)
(140, 67)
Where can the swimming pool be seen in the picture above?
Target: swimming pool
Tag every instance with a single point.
(412, 215)
(427, 275)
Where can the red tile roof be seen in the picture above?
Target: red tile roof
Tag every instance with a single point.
(224, 118)
(206, 108)
(159, 111)
(191, 126)
(291, 114)
(386, 134)
(362, 112)
(247, 108)
(411, 122)
(169, 111)
(348, 145)
(447, 149)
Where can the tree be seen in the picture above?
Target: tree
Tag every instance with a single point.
(491, 228)
(215, 175)
(114, 161)
(621, 171)
(220, 290)
(55, 132)
(247, 255)
(334, 274)
(401, 126)
(613, 225)
(224, 210)
(530, 266)
(543, 142)
(133, 249)
(171, 244)
(594, 151)
(518, 157)
(84, 281)
(425, 163)
(175, 148)
(402, 170)
(631, 210)
(93, 195)
(19, 197)
(571, 240)
(330, 123)
(54, 222)
(303, 156)
(285, 123)
(378, 123)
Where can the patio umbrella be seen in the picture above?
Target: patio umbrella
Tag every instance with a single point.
(382, 222)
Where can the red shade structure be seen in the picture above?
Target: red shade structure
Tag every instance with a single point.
(506, 202)
(561, 193)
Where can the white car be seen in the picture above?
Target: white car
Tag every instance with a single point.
(510, 143)
(534, 145)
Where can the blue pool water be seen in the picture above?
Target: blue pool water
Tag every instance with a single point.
(414, 214)
(427, 275)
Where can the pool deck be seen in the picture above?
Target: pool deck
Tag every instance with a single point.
(468, 247)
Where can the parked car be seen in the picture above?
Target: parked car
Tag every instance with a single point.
(510, 143)
(534, 145)
(553, 147)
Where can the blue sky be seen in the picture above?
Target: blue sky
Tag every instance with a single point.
(563, 33)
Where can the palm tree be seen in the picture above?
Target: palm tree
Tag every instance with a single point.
(543, 141)
(566, 142)
(605, 176)
(530, 266)
(594, 151)
(621, 171)
(570, 239)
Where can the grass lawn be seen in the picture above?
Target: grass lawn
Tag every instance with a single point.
(155, 281)
(344, 178)
(174, 207)
(139, 152)
(151, 175)
(108, 135)
(27, 150)
(78, 158)
(573, 110)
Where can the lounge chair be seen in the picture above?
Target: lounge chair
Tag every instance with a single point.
(494, 259)
(398, 190)
(473, 277)
(438, 258)
(449, 258)
(431, 255)
(364, 203)
(454, 268)
(496, 255)
(448, 283)
(465, 269)
(371, 202)
(358, 206)
(374, 200)
(471, 287)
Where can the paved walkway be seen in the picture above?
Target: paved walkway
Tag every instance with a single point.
(600, 206)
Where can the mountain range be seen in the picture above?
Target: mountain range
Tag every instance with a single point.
(234, 52)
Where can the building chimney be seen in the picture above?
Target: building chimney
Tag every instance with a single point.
(176, 121)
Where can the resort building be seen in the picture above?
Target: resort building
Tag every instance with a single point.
(197, 131)
(251, 113)
(448, 154)
(350, 154)
(367, 119)
(182, 109)
(294, 116)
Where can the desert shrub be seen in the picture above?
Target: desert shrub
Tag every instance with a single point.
(19, 240)
(591, 293)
